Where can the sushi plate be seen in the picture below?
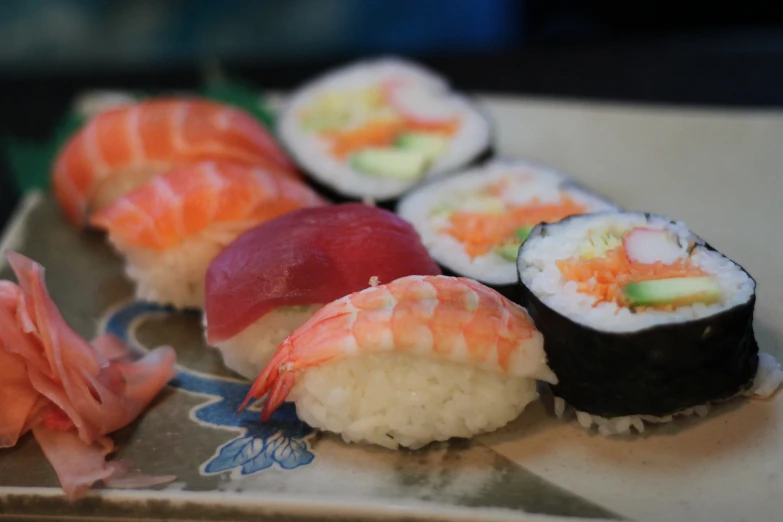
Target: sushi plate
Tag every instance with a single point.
(721, 172)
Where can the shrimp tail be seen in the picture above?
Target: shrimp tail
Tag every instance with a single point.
(274, 370)
(277, 395)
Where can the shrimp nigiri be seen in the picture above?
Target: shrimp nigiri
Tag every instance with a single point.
(119, 149)
(420, 359)
(171, 228)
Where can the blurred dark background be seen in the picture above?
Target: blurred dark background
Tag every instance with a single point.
(686, 53)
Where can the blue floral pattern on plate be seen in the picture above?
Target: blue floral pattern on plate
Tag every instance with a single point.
(281, 441)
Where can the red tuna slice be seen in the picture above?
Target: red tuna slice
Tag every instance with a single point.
(308, 256)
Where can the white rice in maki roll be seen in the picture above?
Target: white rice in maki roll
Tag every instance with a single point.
(473, 223)
(374, 129)
(642, 319)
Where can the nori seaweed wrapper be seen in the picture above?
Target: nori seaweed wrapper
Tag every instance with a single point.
(655, 371)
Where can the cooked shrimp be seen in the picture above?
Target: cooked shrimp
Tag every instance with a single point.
(119, 149)
(453, 318)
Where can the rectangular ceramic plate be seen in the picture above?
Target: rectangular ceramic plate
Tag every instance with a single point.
(719, 172)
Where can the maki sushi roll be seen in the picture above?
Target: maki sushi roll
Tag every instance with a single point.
(374, 129)
(642, 319)
(473, 223)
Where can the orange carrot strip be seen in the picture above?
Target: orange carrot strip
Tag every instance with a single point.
(479, 233)
(382, 134)
(374, 134)
(615, 270)
(448, 127)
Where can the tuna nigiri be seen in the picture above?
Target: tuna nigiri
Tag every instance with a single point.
(170, 228)
(71, 394)
(421, 359)
(274, 277)
(121, 148)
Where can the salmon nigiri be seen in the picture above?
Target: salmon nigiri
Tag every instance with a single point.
(121, 148)
(171, 228)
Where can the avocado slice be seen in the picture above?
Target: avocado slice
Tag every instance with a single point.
(677, 290)
(390, 163)
(523, 232)
(509, 251)
(431, 145)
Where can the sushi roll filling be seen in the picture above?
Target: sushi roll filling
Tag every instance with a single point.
(498, 218)
(393, 128)
(625, 272)
(639, 268)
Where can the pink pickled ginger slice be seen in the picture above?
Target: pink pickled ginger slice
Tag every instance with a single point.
(17, 398)
(69, 392)
(78, 465)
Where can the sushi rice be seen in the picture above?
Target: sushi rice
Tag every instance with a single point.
(408, 400)
(247, 352)
(176, 276)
